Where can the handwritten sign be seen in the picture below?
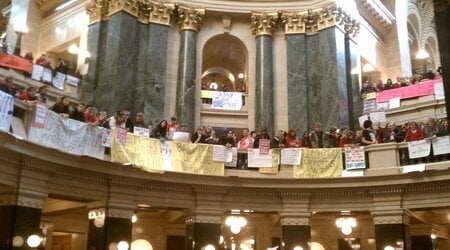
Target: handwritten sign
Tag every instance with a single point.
(354, 158)
(219, 153)
(38, 71)
(166, 154)
(106, 137)
(6, 110)
(231, 157)
(291, 156)
(180, 136)
(256, 160)
(362, 119)
(264, 146)
(394, 103)
(227, 100)
(121, 135)
(378, 117)
(418, 149)
(319, 163)
(141, 131)
(58, 80)
(47, 75)
(72, 80)
(441, 145)
(40, 113)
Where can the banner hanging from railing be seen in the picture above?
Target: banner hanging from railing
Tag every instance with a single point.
(319, 163)
(226, 100)
(6, 110)
(68, 135)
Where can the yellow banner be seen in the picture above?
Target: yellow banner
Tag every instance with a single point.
(371, 95)
(208, 94)
(178, 156)
(195, 159)
(275, 163)
(319, 163)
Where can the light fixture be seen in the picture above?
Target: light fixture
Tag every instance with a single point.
(73, 49)
(241, 75)
(346, 224)
(433, 236)
(298, 248)
(389, 248)
(34, 241)
(123, 245)
(422, 54)
(134, 218)
(368, 68)
(210, 247)
(221, 239)
(235, 223)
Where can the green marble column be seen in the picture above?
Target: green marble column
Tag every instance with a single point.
(296, 235)
(93, 46)
(186, 87)
(18, 222)
(392, 235)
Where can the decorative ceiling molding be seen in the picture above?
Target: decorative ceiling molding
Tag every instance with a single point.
(379, 12)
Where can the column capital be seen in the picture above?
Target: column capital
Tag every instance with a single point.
(295, 218)
(109, 209)
(263, 23)
(155, 12)
(399, 216)
(204, 216)
(101, 10)
(311, 21)
(190, 18)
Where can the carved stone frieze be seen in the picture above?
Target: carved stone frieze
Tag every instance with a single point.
(295, 218)
(190, 18)
(97, 10)
(210, 216)
(311, 21)
(400, 216)
(263, 23)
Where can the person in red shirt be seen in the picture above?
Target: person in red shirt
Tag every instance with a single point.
(414, 133)
(29, 96)
(292, 140)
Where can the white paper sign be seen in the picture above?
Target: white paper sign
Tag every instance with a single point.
(255, 160)
(353, 173)
(40, 114)
(38, 71)
(414, 168)
(60, 134)
(166, 155)
(141, 131)
(441, 145)
(47, 75)
(362, 119)
(231, 157)
(378, 117)
(382, 106)
(291, 156)
(72, 80)
(219, 153)
(18, 128)
(106, 137)
(418, 149)
(58, 80)
(394, 103)
(181, 136)
(354, 158)
(439, 93)
(6, 110)
(227, 100)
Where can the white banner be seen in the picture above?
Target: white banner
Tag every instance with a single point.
(418, 149)
(227, 100)
(58, 80)
(72, 80)
(141, 131)
(219, 153)
(354, 158)
(37, 72)
(255, 160)
(439, 93)
(166, 155)
(69, 136)
(291, 156)
(230, 157)
(6, 110)
(47, 75)
(441, 145)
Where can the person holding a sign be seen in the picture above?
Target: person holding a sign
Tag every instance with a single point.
(262, 135)
(138, 122)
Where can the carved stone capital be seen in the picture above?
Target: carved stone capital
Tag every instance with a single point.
(400, 216)
(96, 10)
(263, 23)
(295, 218)
(155, 12)
(190, 18)
(204, 217)
(441, 5)
(311, 21)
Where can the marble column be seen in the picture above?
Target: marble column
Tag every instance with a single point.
(151, 62)
(298, 115)
(263, 26)
(355, 105)
(295, 220)
(392, 228)
(108, 226)
(190, 22)
(442, 21)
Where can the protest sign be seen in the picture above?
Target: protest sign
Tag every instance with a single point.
(418, 149)
(106, 137)
(231, 157)
(121, 135)
(141, 131)
(58, 80)
(219, 153)
(37, 72)
(354, 158)
(319, 163)
(441, 145)
(257, 160)
(291, 156)
(227, 100)
(6, 110)
(40, 113)
(264, 146)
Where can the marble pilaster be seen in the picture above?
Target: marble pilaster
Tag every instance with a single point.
(297, 82)
(116, 76)
(392, 228)
(151, 72)
(327, 90)
(355, 105)
(185, 102)
(93, 46)
(264, 84)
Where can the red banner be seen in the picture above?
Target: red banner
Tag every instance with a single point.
(418, 89)
(15, 62)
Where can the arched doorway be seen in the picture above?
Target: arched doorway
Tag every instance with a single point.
(224, 64)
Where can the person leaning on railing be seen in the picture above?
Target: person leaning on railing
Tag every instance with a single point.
(414, 133)
(368, 136)
(62, 107)
(7, 86)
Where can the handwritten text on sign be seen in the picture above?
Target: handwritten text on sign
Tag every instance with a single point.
(227, 100)
(354, 158)
(6, 110)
